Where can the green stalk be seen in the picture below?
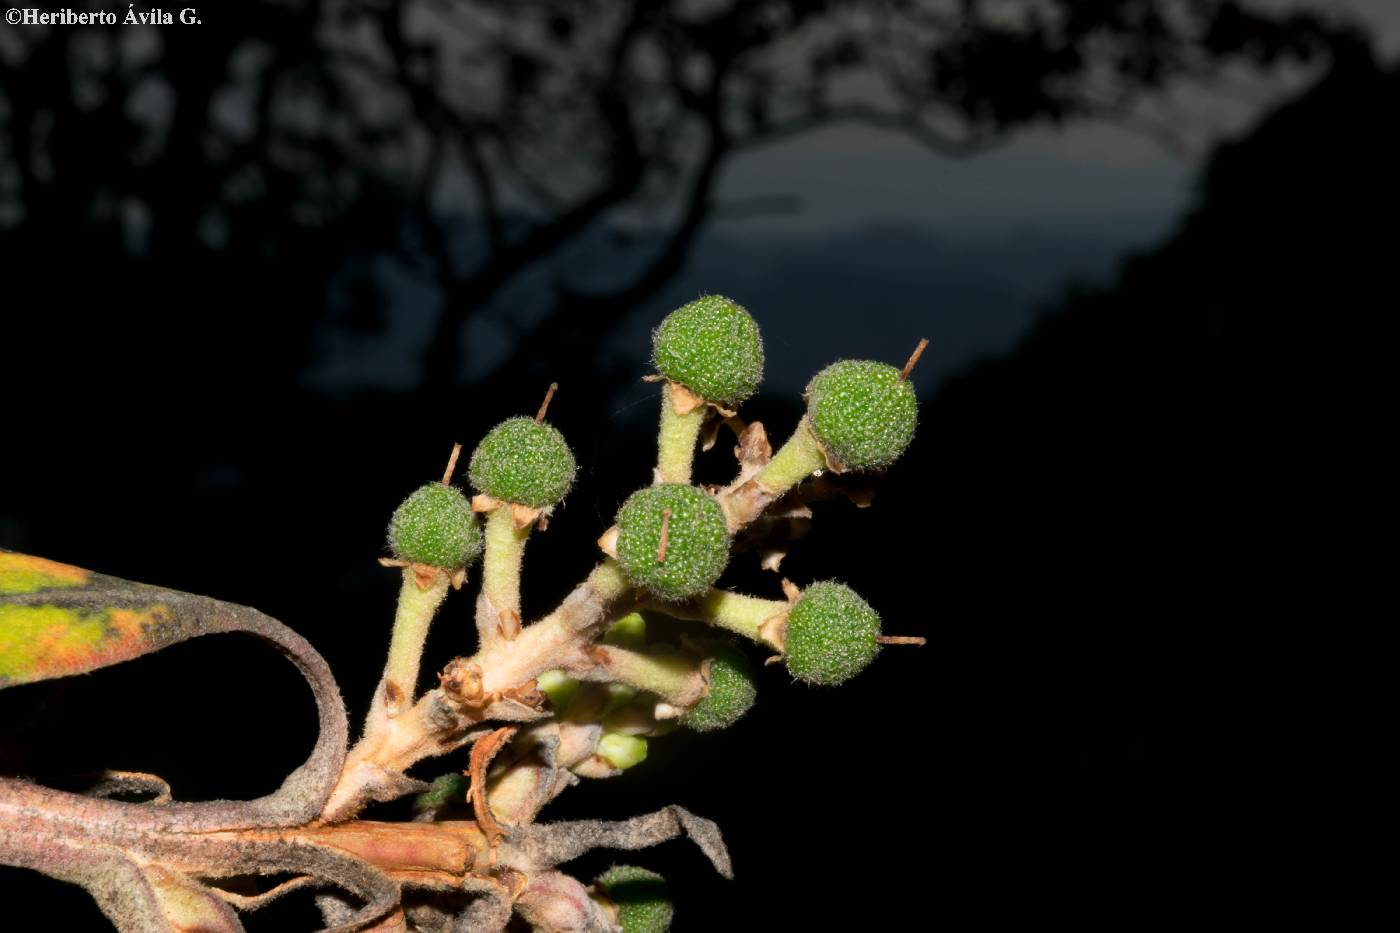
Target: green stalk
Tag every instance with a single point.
(505, 549)
(798, 459)
(742, 614)
(609, 580)
(677, 439)
(411, 621)
(673, 677)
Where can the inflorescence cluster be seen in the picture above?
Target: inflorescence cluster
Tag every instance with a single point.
(646, 645)
(610, 670)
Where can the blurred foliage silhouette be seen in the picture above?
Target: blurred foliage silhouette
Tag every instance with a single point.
(176, 223)
(473, 142)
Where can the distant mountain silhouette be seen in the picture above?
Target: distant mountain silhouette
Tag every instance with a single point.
(878, 289)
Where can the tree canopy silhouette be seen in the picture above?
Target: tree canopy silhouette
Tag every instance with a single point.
(474, 142)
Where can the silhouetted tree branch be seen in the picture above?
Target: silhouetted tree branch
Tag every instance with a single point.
(539, 120)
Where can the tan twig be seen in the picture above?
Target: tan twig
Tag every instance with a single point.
(451, 464)
(901, 639)
(544, 406)
(665, 535)
(913, 358)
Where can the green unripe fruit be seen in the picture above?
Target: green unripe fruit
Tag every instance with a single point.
(449, 788)
(523, 461)
(712, 347)
(642, 898)
(831, 634)
(630, 631)
(862, 413)
(622, 751)
(558, 687)
(435, 526)
(697, 540)
(618, 696)
(732, 690)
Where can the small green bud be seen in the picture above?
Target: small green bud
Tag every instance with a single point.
(712, 347)
(559, 687)
(622, 751)
(630, 632)
(618, 696)
(643, 900)
(733, 688)
(697, 540)
(435, 526)
(831, 634)
(449, 788)
(524, 462)
(862, 412)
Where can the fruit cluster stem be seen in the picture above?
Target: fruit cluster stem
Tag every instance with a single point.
(395, 745)
(796, 460)
(505, 549)
(676, 442)
(559, 636)
(744, 615)
(675, 678)
(414, 615)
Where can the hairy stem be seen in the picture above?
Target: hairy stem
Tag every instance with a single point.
(796, 460)
(500, 568)
(498, 606)
(557, 639)
(677, 439)
(439, 723)
(675, 678)
(417, 606)
(761, 481)
(738, 613)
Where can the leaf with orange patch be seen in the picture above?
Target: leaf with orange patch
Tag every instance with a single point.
(57, 621)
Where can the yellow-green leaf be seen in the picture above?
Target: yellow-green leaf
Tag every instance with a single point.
(57, 620)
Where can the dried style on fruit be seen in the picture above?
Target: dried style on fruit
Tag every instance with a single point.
(536, 709)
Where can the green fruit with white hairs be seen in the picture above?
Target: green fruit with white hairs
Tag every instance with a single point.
(862, 413)
(697, 540)
(525, 462)
(831, 634)
(713, 348)
(733, 688)
(435, 526)
(643, 900)
(449, 788)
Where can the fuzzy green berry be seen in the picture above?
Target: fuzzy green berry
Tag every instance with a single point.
(435, 526)
(732, 690)
(697, 540)
(831, 634)
(862, 413)
(643, 900)
(712, 347)
(446, 789)
(622, 751)
(523, 461)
